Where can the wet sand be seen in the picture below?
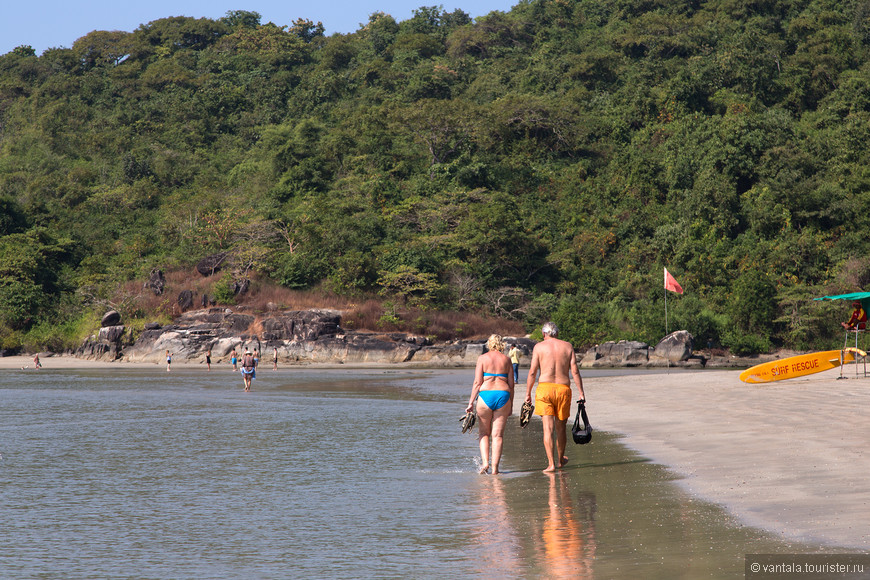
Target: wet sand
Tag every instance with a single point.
(789, 456)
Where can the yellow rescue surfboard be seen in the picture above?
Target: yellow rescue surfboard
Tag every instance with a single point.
(798, 366)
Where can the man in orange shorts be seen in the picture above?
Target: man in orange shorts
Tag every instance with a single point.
(557, 363)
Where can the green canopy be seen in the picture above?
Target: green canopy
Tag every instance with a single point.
(862, 297)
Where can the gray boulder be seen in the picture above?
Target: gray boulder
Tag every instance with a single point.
(211, 264)
(107, 345)
(185, 300)
(156, 282)
(110, 318)
(241, 286)
(472, 351)
(675, 347)
(112, 333)
(625, 353)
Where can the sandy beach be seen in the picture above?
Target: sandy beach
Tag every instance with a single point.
(789, 456)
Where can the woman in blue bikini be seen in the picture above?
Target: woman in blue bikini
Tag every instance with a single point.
(494, 390)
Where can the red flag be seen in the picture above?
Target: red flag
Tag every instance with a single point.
(671, 284)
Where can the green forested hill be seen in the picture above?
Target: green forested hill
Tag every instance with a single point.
(548, 161)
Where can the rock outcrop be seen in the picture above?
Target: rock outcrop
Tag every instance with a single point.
(316, 336)
(616, 354)
(305, 336)
(109, 342)
(673, 350)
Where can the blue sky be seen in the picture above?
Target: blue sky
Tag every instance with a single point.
(58, 23)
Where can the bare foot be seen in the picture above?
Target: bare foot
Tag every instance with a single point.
(495, 471)
(550, 469)
(483, 470)
(564, 461)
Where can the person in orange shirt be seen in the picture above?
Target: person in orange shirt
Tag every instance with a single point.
(858, 321)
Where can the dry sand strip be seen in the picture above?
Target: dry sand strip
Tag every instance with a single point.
(790, 456)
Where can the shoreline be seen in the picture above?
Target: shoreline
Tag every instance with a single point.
(788, 457)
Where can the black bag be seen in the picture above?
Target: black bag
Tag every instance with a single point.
(582, 433)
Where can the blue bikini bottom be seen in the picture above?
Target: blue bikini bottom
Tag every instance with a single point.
(495, 400)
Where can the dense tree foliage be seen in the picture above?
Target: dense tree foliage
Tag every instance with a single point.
(546, 161)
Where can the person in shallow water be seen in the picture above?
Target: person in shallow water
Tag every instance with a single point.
(249, 369)
(494, 390)
(555, 360)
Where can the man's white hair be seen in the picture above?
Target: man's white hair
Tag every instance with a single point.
(550, 329)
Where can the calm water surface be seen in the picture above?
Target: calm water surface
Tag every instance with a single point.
(139, 473)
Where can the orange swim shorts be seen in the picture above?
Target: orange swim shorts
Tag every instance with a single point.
(553, 399)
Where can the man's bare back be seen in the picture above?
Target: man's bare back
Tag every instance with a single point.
(555, 360)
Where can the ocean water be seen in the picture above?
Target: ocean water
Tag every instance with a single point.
(347, 473)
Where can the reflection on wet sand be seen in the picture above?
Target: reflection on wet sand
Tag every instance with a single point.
(567, 547)
(498, 541)
(535, 526)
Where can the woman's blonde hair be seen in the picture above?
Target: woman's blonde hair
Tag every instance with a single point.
(495, 342)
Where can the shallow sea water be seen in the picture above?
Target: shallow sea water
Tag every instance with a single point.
(140, 473)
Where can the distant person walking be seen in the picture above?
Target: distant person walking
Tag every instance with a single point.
(493, 388)
(249, 369)
(208, 360)
(168, 361)
(557, 363)
(36, 364)
(234, 360)
(515, 355)
(275, 361)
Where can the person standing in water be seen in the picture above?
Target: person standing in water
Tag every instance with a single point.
(557, 363)
(168, 361)
(275, 361)
(208, 360)
(234, 360)
(493, 389)
(249, 369)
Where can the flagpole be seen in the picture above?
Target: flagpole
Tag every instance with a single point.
(666, 312)
(666, 327)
